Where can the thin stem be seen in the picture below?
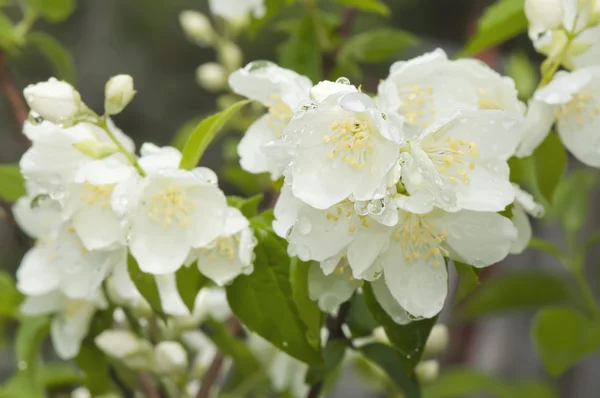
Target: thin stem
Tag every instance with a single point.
(210, 376)
(148, 387)
(103, 124)
(12, 93)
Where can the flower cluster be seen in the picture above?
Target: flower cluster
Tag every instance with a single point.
(568, 31)
(386, 189)
(91, 203)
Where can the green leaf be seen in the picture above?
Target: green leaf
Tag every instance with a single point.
(189, 282)
(12, 185)
(563, 336)
(264, 220)
(301, 52)
(248, 206)
(21, 386)
(571, 199)
(272, 8)
(385, 357)
(10, 298)
(501, 21)
(333, 353)
(56, 374)
(308, 309)
(146, 285)
(204, 133)
(514, 291)
(183, 134)
(377, 45)
(32, 332)
(360, 320)
(53, 10)
(465, 382)
(550, 164)
(408, 340)
(9, 37)
(247, 183)
(469, 280)
(263, 300)
(375, 6)
(523, 72)
(57, 54)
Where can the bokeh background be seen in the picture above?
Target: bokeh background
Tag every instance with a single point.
(143, 38)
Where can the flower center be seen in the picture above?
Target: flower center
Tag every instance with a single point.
(581, 107)
(171, 205)
(350, 140)
(453, 158)
(279, 114)
(74, 306)
(419, 237)
(417, 104)
(223, 247)
(345, 209)
(97, 194)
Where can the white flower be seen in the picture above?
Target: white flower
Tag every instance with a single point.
(329, 291)
(131, 350)
(176, 210)
(234, 9)
(231, 254)
(543, 15)
(575, 98)
(71, 320)
(281, 91)
(118, 93)
(437, 342)
(427, 371)
(414, 267)
(538, 122)
(462, 163)
(211, 76)
(54, 100)
(196, 26)
(524, 205)
(170, 358)
(342, 147)
(231, 56)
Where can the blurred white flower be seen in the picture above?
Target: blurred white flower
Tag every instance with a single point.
(131, 350)
(54, 100)
(427, 371)
(170, 358)
(211, 76)
(543, 15)
(118, 93)
(234, 9)
(196, 26)
(437, 342)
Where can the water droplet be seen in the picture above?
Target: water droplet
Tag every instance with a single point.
(22, 365)
(478, 263)
(143, 323)
(285, 343)
(308, 106)
(361, 207)
(303, 225)
(292, 250)
(35, 119)
(376, 206)
(384, 116)
(357, 102)
(343, 80)
(407, 356)
(303, 253)
(259, 65)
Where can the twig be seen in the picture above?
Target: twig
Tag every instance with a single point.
(148, 387)
(11, 92)
(210, 376)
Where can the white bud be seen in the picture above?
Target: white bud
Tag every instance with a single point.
(170, 358)
(118, 93)
(427, 371)
(380, 336)
(196, 26)
(54, 100)
(437, 342)
(125, 346)
(326, 88)
(544, 14)
(231, 56)
(81, 392)
(211, 76)
(95, 149)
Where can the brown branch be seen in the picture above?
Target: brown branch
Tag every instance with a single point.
(12, 93)
(210, 376)
(148, 387)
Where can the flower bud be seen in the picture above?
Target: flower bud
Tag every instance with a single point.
(54, 100)
(437, 342)
(95, 149)
(544, 14)
(118, 93)
(196, 26)
(170, 358)
(427, 371)
(211, 76)
(125, 346)
(380, 335)
(231, 56)
(326, 88)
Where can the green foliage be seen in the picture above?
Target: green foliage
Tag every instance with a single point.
(146, 285)
(571, 199)
(10, 298)
(385, 357)
(523, 72)
(12, 185)
(465, 382)
(183, 134)
(247, 183)
(550, 165)
(501, 21)
(360, 320)
(189, 282)
(52, 10)
(59, 57)
(518, 291)
(263, 300)
(375, 6)
(408, 340)
(333, 353)
(468, 278)
(10, 39)
(247, 206)
(563, 336)
(301, 52)
(308, 309)
(204, 133)
(57, 374)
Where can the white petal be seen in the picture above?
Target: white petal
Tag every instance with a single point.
(38, 275)
(250, 149)
(365, 248)
(332, 290)
(563, 86)
(43, 305)
(98, 228)
(286, 211)
(39, 222)
(170, 299)
(538, 122)
(488, 189)
(389, 303)
(70, 327)
(523, 227)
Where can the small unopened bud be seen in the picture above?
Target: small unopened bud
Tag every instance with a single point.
(231, 56)
(437, 342)
(380, 335)
(128, 348)
(211, 76)
(54, 100)
(81, 392)
(326, 88)
(170, 358)
(197, 27)
(427, 371)
(95, 149)
(118, 93)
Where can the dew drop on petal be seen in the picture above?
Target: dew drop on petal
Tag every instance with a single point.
(308, 106)
(343, 80)
(361, 207)
(303, 253)
(303, 225)
(259, 65)
(356, 102)
(376, 206)
(384, 116)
